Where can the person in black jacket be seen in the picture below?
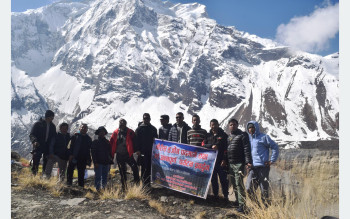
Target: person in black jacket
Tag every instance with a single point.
(41, 135)
(164, 130)
(79, 155)
(178, 133)
(102, 158)
(238, 156)
(58, 152)
(217, 139)
(145, 135)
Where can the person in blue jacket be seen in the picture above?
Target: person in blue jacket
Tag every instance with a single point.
(259, 173)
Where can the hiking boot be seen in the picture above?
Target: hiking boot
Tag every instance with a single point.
(242, 210)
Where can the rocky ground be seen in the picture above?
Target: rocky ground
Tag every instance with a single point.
(37, 203)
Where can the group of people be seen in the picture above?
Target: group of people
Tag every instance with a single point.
(238, 152)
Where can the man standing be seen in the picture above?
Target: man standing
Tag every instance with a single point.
(165, 128)
(178, 132)
(123, 142)
(41, 135)
(196, 135)
(238, 156)
(259, 173)
(58, 152)
(145, 135)
(217, 140)
(80, 147)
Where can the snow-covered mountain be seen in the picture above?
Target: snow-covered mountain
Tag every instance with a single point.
(97, 61)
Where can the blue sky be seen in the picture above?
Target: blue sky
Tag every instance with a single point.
(309, 25)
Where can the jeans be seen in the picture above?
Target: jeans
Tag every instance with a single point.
(218, 170)
(101, 173)
(259, 177)
(236, 171)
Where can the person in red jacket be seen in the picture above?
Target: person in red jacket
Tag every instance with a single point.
(123, 144)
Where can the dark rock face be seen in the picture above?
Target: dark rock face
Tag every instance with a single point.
(273, 108)
(309, 116)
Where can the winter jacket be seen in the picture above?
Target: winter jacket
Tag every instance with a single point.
(238, 147)
(196, 136)
(101, 151)
(80, 147)
(220, 140)
(38, 134)
(59, 146)
(130, 141)
(173, 133)
(145, 135)
(163, 132)
(260, 144)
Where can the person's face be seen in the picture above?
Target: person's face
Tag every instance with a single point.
(233, 126)
(214, 126)
(101, 134)
(49, 119)
(147, 120)
(164, 121)
(196, 121)
(179, 118)
(64, 129)
(122, 124)
(251, 130)
(83, 129)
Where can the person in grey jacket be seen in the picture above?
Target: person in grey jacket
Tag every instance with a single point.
(261, 145)
(58, 152)
(178, 133)
(163, 131)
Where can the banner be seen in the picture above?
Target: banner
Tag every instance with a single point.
(181, 167)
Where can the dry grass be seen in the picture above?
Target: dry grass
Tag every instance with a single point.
(89, 195)
(157, 205)
(110, 193)
(310, 200)
(200, 215)
(136, 192)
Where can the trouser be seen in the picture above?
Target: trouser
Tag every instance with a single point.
(81, 166)
(146, 170)
(218, 170)
(122, 160)
(62, 165)
(259, 177)
(101, 173)
(36, 161)
(236, 172)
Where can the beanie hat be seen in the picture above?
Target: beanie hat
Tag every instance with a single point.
(251, 125)
(99, 129)
(49, 113)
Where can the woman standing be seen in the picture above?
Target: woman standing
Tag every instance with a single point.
(101, 156)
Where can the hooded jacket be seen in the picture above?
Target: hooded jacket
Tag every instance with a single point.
(260, 144)
(130, 141)
(173, 133)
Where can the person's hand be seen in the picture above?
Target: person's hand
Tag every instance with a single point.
(214, 147)
(223, 163)
(138, 153)
(36, 144)
(269, 163)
